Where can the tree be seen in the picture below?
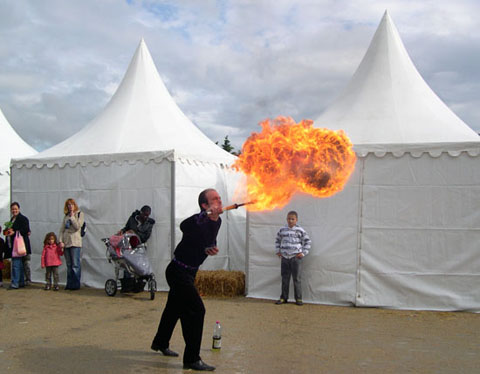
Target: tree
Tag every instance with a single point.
(227, 146)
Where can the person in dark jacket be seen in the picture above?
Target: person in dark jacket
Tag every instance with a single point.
(20, 265)
(140, 223)
(199, 241)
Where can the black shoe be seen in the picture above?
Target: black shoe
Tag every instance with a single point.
(198, 365)
(165, 351)
(281, 301)
(299, 302)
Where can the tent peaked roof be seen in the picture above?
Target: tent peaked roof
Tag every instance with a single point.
(140, 117)
(12, 144)
(387, 101)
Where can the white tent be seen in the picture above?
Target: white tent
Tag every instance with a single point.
(404, 232)
(140, 150)
(12, 146)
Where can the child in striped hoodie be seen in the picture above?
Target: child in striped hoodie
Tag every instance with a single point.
(292, 244)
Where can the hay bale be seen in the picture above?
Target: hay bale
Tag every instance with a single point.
(220, 283)
(6, 269)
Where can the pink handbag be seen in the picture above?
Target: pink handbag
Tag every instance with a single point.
(19, 246)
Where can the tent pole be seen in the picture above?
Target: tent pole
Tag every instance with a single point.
(359, 230)
(172, 208)
(247, 251)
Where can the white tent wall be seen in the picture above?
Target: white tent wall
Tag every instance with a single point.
(108, 188)
(419, 233)
(12, 146)
(403, 234)
(4, 197)
(107, 191)
(329, 269)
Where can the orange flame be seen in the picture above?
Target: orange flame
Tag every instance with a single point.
(287, 157)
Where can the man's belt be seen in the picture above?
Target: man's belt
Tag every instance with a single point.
(184, 265)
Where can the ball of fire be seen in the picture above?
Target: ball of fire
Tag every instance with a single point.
(286, 157)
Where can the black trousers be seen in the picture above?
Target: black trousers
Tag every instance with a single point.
(183, 303)
(291, 267)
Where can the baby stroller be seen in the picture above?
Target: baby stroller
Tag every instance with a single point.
(126, 252)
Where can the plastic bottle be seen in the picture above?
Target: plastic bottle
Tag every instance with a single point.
(217, 336)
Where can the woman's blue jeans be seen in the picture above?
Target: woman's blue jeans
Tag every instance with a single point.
(17, 273)
(74, 272)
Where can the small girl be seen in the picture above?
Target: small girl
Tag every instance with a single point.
(51, 260)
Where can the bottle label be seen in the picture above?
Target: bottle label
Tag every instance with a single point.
(217, 342)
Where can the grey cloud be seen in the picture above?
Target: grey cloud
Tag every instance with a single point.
(229, 64)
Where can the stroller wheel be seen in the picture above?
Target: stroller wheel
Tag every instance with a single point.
(152, 287)
(111, 287)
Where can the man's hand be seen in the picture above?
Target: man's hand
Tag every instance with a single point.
(214, 211)
(211, 251)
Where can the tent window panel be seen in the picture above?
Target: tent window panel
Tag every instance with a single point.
(47, 179)
(419, 291)
(420, 251)
(421, 207)
(461, 170)
(423, 171)
(333, 248)
(190, 180)
(198, 175)
(126, 176)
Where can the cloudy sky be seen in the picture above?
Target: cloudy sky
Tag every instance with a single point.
(228, 64)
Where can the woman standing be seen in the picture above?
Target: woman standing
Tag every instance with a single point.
(20, 264)
(71, 242)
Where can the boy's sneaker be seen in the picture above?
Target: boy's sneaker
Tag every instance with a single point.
(47, 287)
(55, 288)
(281, 301)
(299, 302)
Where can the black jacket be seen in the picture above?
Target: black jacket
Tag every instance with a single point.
(3, 247)
(199, 232)
(143, 230)
(23, 225)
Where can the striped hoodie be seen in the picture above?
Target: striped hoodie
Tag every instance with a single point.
(292, 241)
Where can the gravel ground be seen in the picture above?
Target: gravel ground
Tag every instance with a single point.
(85, 331)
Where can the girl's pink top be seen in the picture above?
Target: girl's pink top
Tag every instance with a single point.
(51, 255)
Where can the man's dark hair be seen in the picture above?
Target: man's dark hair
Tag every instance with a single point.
(293, 213)
(202, 198)
(15, 203)
(146, 209)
